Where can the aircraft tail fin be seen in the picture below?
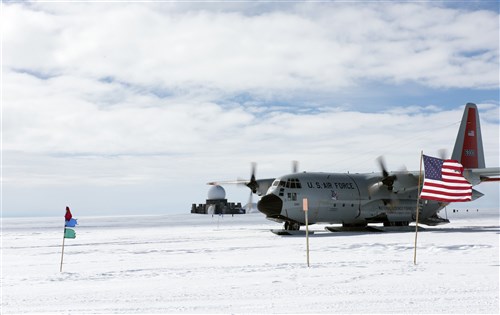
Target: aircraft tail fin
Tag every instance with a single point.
(468, 148)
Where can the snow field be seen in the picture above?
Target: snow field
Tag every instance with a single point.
(204, 264)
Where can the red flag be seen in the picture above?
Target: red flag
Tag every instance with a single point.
(68, 215)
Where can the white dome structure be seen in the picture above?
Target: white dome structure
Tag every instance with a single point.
(216, 192)
(217, 203)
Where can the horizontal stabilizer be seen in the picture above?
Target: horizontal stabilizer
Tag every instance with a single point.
(476, 194)
(478, 175)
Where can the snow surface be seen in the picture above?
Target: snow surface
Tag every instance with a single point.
(203, 264)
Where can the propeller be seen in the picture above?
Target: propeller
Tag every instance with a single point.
(250, 203)
(387, 180)
(252, 184)
(385, 184)
(443, 154)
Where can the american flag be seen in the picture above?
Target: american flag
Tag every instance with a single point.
(444, 181)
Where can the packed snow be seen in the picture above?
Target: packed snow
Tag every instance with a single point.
(233, 264)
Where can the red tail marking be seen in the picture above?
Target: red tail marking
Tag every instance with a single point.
(469, 150)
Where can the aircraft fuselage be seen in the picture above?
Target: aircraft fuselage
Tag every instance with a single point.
(349, 199)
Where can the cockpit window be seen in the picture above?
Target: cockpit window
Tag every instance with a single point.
(293, 183)
(276, 182)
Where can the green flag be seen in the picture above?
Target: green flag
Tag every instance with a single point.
(69, 233)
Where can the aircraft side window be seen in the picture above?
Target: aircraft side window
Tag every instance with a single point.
(292, 196)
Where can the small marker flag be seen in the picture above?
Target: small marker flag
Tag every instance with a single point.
(71, 223)
(69, 233)
(68, 215)
(443, 181)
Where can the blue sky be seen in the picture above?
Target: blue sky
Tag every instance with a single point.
(131, 108)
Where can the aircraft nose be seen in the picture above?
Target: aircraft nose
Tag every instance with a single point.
(270, 205)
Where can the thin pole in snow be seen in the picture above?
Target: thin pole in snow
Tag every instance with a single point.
(418, 199)
(62, 251)
(305, 208)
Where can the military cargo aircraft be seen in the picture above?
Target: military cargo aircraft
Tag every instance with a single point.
(358, 200)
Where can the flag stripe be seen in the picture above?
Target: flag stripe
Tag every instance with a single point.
(456, 186)
(447, 195)
(443, 193)
(449, 192)
(454, 164)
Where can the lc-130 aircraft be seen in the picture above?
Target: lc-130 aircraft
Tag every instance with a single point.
(356, 200)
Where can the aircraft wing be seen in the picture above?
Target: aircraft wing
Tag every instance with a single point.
(397, 181)
(406, 181)
(479, 175)
(261, 187)
(264, 185)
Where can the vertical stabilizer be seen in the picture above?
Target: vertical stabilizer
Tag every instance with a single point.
(468, 148)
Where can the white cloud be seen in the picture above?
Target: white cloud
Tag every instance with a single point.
(325, 47)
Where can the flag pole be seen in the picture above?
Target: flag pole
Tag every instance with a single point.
(62, 252)
(418, 199)
(307, 238)
(305, 207)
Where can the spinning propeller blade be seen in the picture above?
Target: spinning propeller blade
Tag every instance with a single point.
(443, 154)
(250, 203)
(387, 180)
(252, 184)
